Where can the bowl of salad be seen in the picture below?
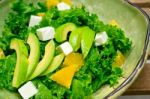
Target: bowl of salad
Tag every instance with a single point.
(63, 49)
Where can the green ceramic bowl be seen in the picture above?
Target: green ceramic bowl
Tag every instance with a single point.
(132, 20)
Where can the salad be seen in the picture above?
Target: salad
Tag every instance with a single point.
(55, 50)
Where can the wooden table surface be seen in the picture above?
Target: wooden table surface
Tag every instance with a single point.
(141, 86)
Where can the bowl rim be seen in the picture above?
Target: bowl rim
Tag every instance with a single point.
(142, 58)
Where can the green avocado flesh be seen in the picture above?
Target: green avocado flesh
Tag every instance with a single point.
(75, 39)
(63, 30)
(21, 67)
(87, 40)
(55, 64)
(82, 37)
(34, 53)
(47, 59)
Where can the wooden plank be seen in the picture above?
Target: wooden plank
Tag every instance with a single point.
(141, 3)
(147, 10)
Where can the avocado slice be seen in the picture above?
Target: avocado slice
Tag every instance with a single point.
(34, 53)
(63, 30)
(2, 55)
(21, 67)
(82, 37)
(55, 64)
(87, 40)
(47, 59)
(75, 39)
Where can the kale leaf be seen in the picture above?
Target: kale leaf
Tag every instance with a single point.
(98, 68)
(43, 92)
(7, 67)
(120, 41)
(55, 90)
(16, 25)
(79, 16)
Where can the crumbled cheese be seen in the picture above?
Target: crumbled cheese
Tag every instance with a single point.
(101, 38)
(34, 20)
(46, 33)
(28, 90)
(66, 48)
(63, 6)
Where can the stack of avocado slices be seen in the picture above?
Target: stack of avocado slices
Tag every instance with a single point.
(30, 66)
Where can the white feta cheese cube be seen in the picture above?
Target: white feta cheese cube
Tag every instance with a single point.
(63, 6)
(101, 38)
(66, 48)
(28, 90)
(45, 33)
(34, 20)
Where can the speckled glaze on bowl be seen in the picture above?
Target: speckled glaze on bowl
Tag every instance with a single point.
(133, 20)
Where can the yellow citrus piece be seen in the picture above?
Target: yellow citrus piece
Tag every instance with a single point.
(51, 3)
(2, 55)
(41, 14)
(65, 75)
(114, 23)
(74, 58)
(67, 1)
(119, 60)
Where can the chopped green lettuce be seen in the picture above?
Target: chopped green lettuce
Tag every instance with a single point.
(44, 92)
(7, 66)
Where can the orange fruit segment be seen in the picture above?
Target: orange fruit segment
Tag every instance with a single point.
(74, 58)
(72, 63)
(51, 3)
(114, 23)
(41, 14)
(67, 1)
(65, 75)
(2, 55)
(119, 60)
